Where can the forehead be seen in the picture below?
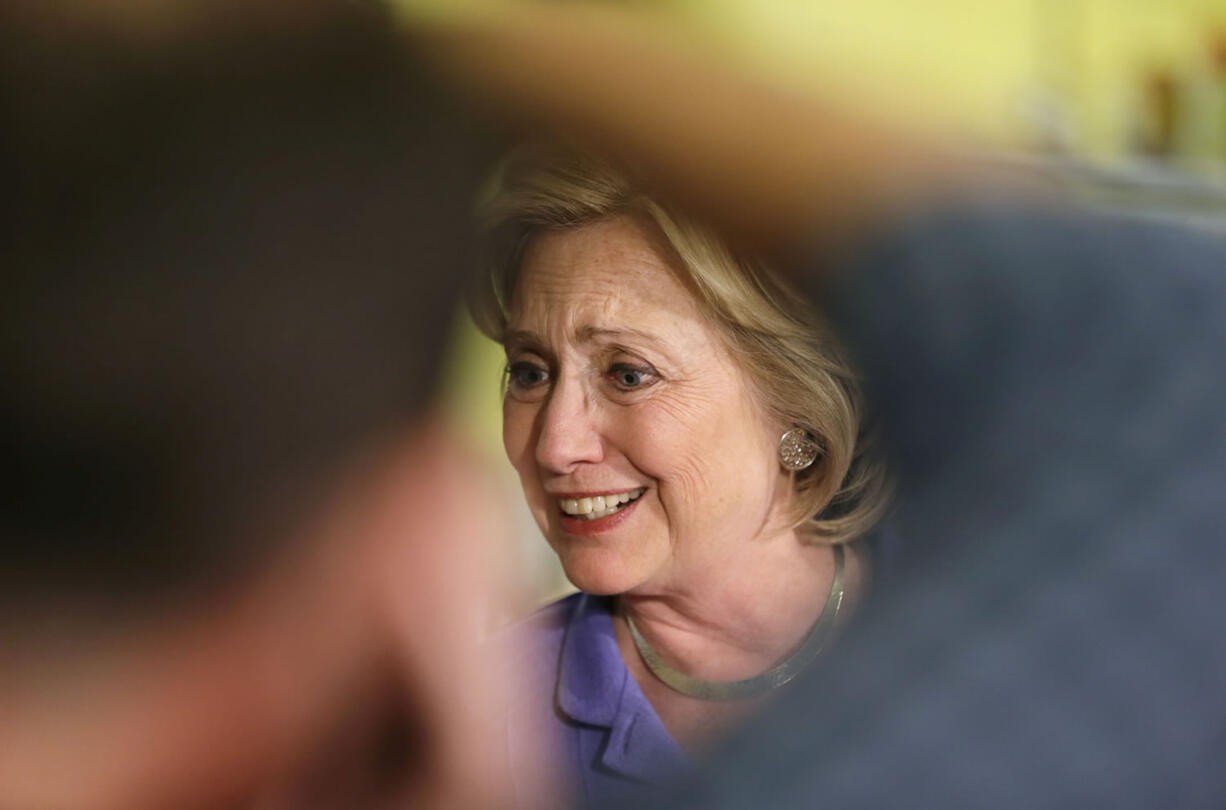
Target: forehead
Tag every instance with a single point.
(615, 273)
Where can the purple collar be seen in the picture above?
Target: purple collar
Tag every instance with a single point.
(596, 689)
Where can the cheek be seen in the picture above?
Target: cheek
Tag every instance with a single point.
(710, 458)
(517, 420)
(679, 446)
(519, 442)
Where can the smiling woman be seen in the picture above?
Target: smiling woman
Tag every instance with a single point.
(651, 374)
(594, 410)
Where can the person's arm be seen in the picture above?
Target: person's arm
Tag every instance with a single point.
(772, 168)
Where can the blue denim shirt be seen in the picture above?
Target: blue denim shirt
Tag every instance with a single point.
(608, 742)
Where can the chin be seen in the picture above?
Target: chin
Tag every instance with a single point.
(599, 572)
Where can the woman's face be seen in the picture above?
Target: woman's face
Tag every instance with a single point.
(642, 454)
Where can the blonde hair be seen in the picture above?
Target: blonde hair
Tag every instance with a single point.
(801, 376)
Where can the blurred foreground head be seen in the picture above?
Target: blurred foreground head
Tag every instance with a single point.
(227, 268)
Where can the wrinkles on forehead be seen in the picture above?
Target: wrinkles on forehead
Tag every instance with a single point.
(608, 283)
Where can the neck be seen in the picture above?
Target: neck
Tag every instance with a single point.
(738, 617)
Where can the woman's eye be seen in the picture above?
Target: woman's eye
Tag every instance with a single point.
(630, 377)
(526, 375)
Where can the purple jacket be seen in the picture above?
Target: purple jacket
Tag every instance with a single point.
(608, 743)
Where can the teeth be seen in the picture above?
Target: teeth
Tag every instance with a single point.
(598, 506)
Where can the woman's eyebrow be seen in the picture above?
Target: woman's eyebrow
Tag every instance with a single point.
(521, 339)
(588, 333)
(628, 338)
(524, 340)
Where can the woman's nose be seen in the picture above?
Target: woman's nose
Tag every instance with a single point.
(568, 434)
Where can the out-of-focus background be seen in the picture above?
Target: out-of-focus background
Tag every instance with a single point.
(1122, 99)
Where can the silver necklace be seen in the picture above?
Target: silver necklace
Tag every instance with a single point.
(759, 684)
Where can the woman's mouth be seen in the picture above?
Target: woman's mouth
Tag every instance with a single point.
(599, 506)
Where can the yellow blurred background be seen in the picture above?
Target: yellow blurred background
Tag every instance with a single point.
(1014, 73)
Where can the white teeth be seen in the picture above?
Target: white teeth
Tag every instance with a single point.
(598, 506)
